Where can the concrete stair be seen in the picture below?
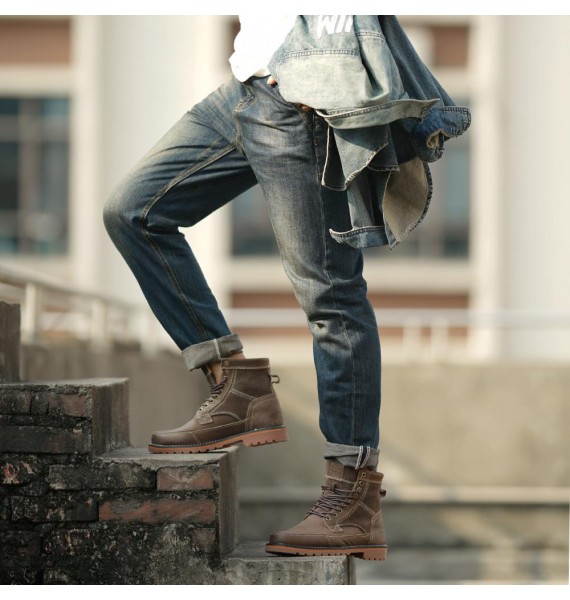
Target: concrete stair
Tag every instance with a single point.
(79, 505)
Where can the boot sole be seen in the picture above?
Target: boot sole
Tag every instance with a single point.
(258, 437)
(363, 552)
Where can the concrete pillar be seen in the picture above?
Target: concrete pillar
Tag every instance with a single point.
(521, 246)
(86, 136)
(536, 239)
(486, 51)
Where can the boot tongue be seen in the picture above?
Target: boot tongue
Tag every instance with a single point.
(339, 475)
(211, 378)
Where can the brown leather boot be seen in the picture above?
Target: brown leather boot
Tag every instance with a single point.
(243, 408)
(347, 518)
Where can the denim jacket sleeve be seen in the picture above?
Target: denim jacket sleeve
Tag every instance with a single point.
(388, 117)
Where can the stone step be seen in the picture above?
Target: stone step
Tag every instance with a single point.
(130, 517)
(79, 505)
(250, 564)
(152, 519)
(84, 416)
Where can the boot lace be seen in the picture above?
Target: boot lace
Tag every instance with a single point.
(215, 391)
(332, 501)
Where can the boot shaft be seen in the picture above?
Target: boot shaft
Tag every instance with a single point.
(247, 393)
(365, 489)
(347, 518)
(248, 376)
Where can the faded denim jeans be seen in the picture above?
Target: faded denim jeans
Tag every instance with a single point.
(240, 135)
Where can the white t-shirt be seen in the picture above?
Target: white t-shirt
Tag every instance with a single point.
(258, 39)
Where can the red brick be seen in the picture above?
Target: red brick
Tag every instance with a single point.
(71, 405)
(159, 510)
(17, 472)
(184, 478)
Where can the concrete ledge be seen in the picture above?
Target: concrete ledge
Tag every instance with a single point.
(9, 341)
(192, 473)
(249, 564)
(83, 416)
(125, 517)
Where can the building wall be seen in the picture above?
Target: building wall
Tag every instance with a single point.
(130, 78)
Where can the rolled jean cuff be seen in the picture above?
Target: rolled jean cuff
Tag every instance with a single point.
(201, 354)
(356, 457)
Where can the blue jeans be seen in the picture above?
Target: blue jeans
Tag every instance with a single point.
(240, 135)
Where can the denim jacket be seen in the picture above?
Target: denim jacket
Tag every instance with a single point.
(388, 117)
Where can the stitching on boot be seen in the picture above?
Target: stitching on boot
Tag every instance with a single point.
(255, 404)
(226, 426)
(228, 413)
(367, 508)
(243, 395)
(261, 400)
(340, 479)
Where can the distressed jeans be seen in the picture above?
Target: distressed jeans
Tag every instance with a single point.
(240, 135)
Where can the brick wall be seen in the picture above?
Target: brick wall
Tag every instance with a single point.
(78, 505)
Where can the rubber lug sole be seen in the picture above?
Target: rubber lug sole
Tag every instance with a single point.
(363, 552)
(250, 438)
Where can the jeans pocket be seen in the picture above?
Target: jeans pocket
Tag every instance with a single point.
(245, 101)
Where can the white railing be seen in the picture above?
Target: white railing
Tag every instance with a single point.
(50, 307)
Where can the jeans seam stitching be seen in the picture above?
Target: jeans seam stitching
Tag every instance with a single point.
(148, 207)
(326, 270)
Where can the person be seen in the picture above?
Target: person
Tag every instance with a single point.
(245, 133)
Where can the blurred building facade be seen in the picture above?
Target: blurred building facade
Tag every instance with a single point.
(475, 455)
(82, 98)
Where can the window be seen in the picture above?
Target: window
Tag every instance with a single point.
(34, 172)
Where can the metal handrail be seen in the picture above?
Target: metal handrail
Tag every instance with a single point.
(22, 277)
(34, 286)
(398, 317)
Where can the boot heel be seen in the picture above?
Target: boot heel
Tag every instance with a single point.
(266, 436)
(373, 554)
